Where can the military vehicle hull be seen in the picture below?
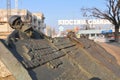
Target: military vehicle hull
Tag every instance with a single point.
(62, 58)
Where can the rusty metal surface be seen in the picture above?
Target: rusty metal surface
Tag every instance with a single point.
(65, 58)
(17, 71)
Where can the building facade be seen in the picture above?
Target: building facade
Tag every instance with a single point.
(36, 19)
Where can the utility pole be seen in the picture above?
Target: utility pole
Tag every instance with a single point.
(8, 11)
(16, 4)
(8, 8)
(16, 7)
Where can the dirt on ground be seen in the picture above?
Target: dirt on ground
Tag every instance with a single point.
(4, 73)
(113, 49)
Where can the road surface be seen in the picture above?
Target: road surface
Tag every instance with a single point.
(113, 49)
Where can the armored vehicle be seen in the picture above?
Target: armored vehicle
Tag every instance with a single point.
(31, 55)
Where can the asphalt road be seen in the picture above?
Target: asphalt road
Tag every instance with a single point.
(113, 49)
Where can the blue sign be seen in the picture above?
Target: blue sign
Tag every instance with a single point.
(106, 31)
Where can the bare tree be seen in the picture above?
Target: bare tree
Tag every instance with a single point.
(112, 14)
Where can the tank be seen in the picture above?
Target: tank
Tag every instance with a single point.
(39, 57)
